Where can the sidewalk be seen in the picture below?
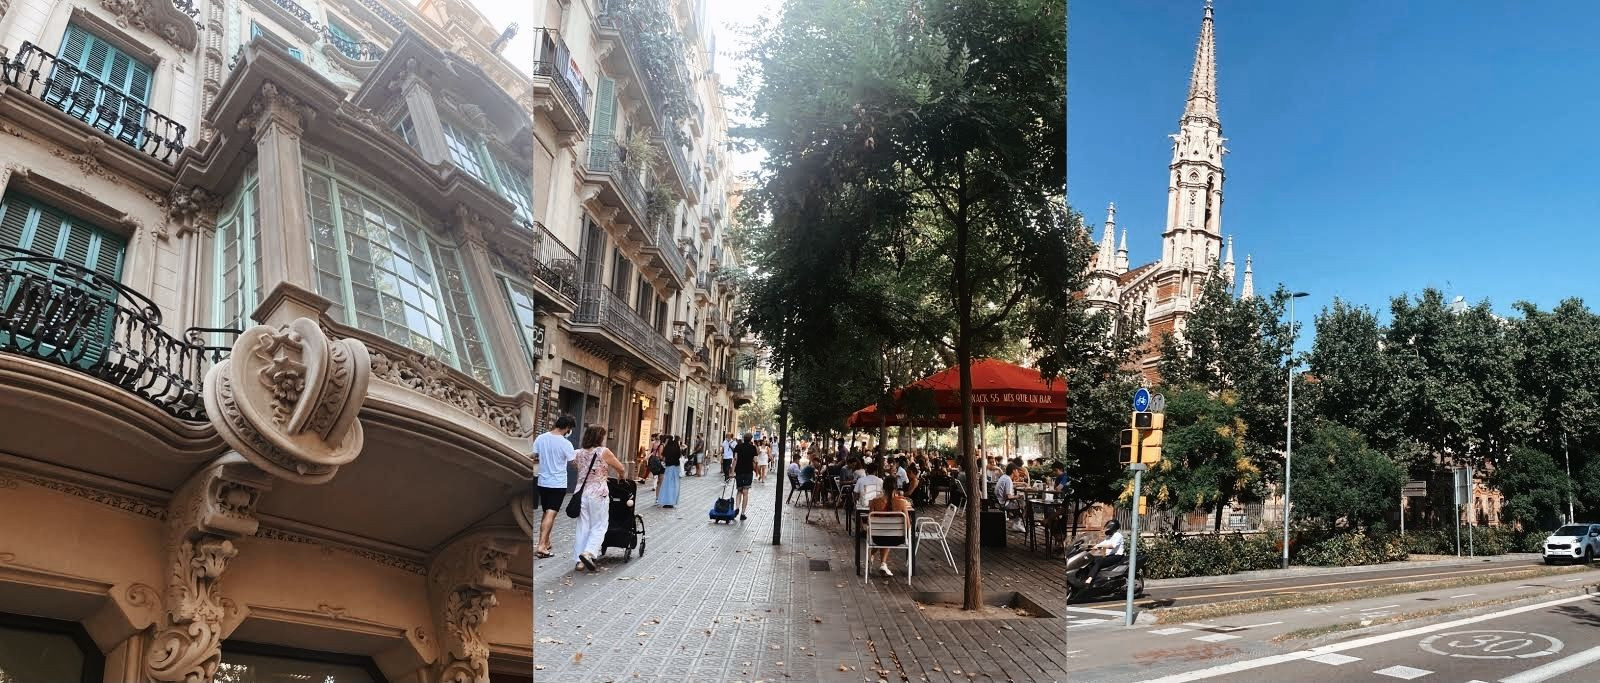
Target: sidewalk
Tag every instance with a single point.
(720, 603)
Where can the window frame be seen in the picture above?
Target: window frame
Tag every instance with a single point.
(244, 213)
(491, 164)
(257, 30)
(94, 662)
(507, 282)
(300, 654)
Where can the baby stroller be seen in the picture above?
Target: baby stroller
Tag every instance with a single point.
(624, 529)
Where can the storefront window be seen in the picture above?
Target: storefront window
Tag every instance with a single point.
(36, 650)
(249, 663)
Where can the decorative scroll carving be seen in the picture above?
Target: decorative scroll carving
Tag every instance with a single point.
(287, 400)
(160, 17)
(193, 209)
(216, 506)
(88, 160)
(427, 376)
(463, 580)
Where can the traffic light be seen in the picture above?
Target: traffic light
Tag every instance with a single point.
(1129, 447)
(1142, 504)
(1150, 439)
(1143, 420)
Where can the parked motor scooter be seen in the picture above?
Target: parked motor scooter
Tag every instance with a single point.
(1112, 582)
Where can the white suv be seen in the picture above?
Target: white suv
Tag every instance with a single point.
(1578, 542)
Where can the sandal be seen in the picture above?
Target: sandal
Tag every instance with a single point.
(541, 554)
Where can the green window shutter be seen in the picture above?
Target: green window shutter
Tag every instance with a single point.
(605, 102)
(339, 32)
(28, 224)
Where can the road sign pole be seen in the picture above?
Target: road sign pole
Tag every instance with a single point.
(1133, 541)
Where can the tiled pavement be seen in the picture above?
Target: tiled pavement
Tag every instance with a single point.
(720, 603)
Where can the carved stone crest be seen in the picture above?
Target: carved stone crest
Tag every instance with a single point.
(191, 210)
(287, 399)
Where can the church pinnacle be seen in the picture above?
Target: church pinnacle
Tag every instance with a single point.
(1248, 289)
(1106, 259)
(1203, 80)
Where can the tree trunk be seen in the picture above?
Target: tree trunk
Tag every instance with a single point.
(972, 593)
(1217, 528)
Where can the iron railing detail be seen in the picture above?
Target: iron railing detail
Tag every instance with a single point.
(565, 90)
(671, 255)
(556, 265)
(384, 14)
(298, 12)
(605, 157)
(359, 50)
(680, 163)
(85, 97)
(599, 306)
(67, 315)
(187, 7)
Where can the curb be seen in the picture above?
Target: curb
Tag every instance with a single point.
(1293, 572)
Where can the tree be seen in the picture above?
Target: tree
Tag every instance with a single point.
(1560, 381)
(1100, 385)
(1534, 487)
(1204, 464)
(1355, 383)
(923, 142)
(1339, 479)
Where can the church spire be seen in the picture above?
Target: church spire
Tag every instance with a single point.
(1227, 265)
(1122, 253)
(1106, 259)
(1203, 80)
(1248, 289)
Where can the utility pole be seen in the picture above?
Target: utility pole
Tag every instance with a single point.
(1288, 439)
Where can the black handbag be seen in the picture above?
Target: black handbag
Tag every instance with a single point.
(575, 506)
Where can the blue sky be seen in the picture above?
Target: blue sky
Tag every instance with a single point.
(1376, 147)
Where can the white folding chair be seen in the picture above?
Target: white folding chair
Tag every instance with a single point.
(893, 525)
(930, 529)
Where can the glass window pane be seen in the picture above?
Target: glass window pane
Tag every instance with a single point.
(33, 656)
(251, 668)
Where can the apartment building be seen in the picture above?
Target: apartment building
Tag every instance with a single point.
(286, 288)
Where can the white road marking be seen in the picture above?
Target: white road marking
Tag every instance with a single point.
(1249, 664)
(1270, 623)
(1571, 580)
(1175, 630)
(1334, 659)
(1463, 595)
(1091, 610)
(1405, 673)
(1086, 622)
(1216, 637)
(1555, 668)
(1369, 609)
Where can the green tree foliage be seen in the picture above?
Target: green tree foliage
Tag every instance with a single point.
(1340, 481)
(1560, 379)
(1353, 382)
(1100, 388)
(1204, 465)
(1534, 486)
(914, 181)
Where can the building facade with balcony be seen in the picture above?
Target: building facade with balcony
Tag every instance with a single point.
(286, 288)
(267, 275)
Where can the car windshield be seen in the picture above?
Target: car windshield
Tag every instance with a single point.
(1572, 530)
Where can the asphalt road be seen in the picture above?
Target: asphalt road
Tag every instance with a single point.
(1553, 642)
(1199, 594)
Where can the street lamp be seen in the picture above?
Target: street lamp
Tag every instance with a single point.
(1288, 439)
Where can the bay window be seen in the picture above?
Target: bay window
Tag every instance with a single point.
(388, 274)
(471, 153)
(237, 280)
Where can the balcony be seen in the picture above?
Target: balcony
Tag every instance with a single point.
(716, 257)
(664, 252)
(681, 174)
(554, 266)
(683, 336)
(67, 89)
(354, 50)
(383, 13)
(619, 186)
(691, 253)
(75, 318)
(552, 80)
(604, 318)
(705, 226)
(702, 288)
(622, 58)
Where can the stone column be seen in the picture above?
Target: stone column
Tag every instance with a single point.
(501, 331)
(424, 113)
(277, 119)
(212, 509)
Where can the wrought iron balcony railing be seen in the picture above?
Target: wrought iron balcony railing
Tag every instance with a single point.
(359, 50)
(82, 96)
(384, 13)
(557, 266)
(704, 354)
(301, 13)
(599, 306)
(737, 385)
(670, 252)
(187, 7)
(605, 157)
(565, 89)
(67, 315)
(680, 163)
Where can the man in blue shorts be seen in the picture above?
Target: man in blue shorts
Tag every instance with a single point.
(552, 451)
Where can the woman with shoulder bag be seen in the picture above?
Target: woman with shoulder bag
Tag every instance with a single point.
(592, 505)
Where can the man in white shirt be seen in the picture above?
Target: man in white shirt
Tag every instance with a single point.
(727, 456)
(869, 485)
(552, 451)
(1113, 546)
(794, 469)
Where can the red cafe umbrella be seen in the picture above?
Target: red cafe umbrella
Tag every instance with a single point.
(1008, 392)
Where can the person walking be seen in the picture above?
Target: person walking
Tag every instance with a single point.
(744, 472)
(727, 456)
(697, 456)
(595, 512)
(672, 469)
(553, 452)
(763, 454)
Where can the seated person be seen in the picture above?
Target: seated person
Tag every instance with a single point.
(869, 485)
(890, 501)
(808, 475)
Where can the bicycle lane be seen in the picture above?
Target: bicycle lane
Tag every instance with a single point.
(1544, 641)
